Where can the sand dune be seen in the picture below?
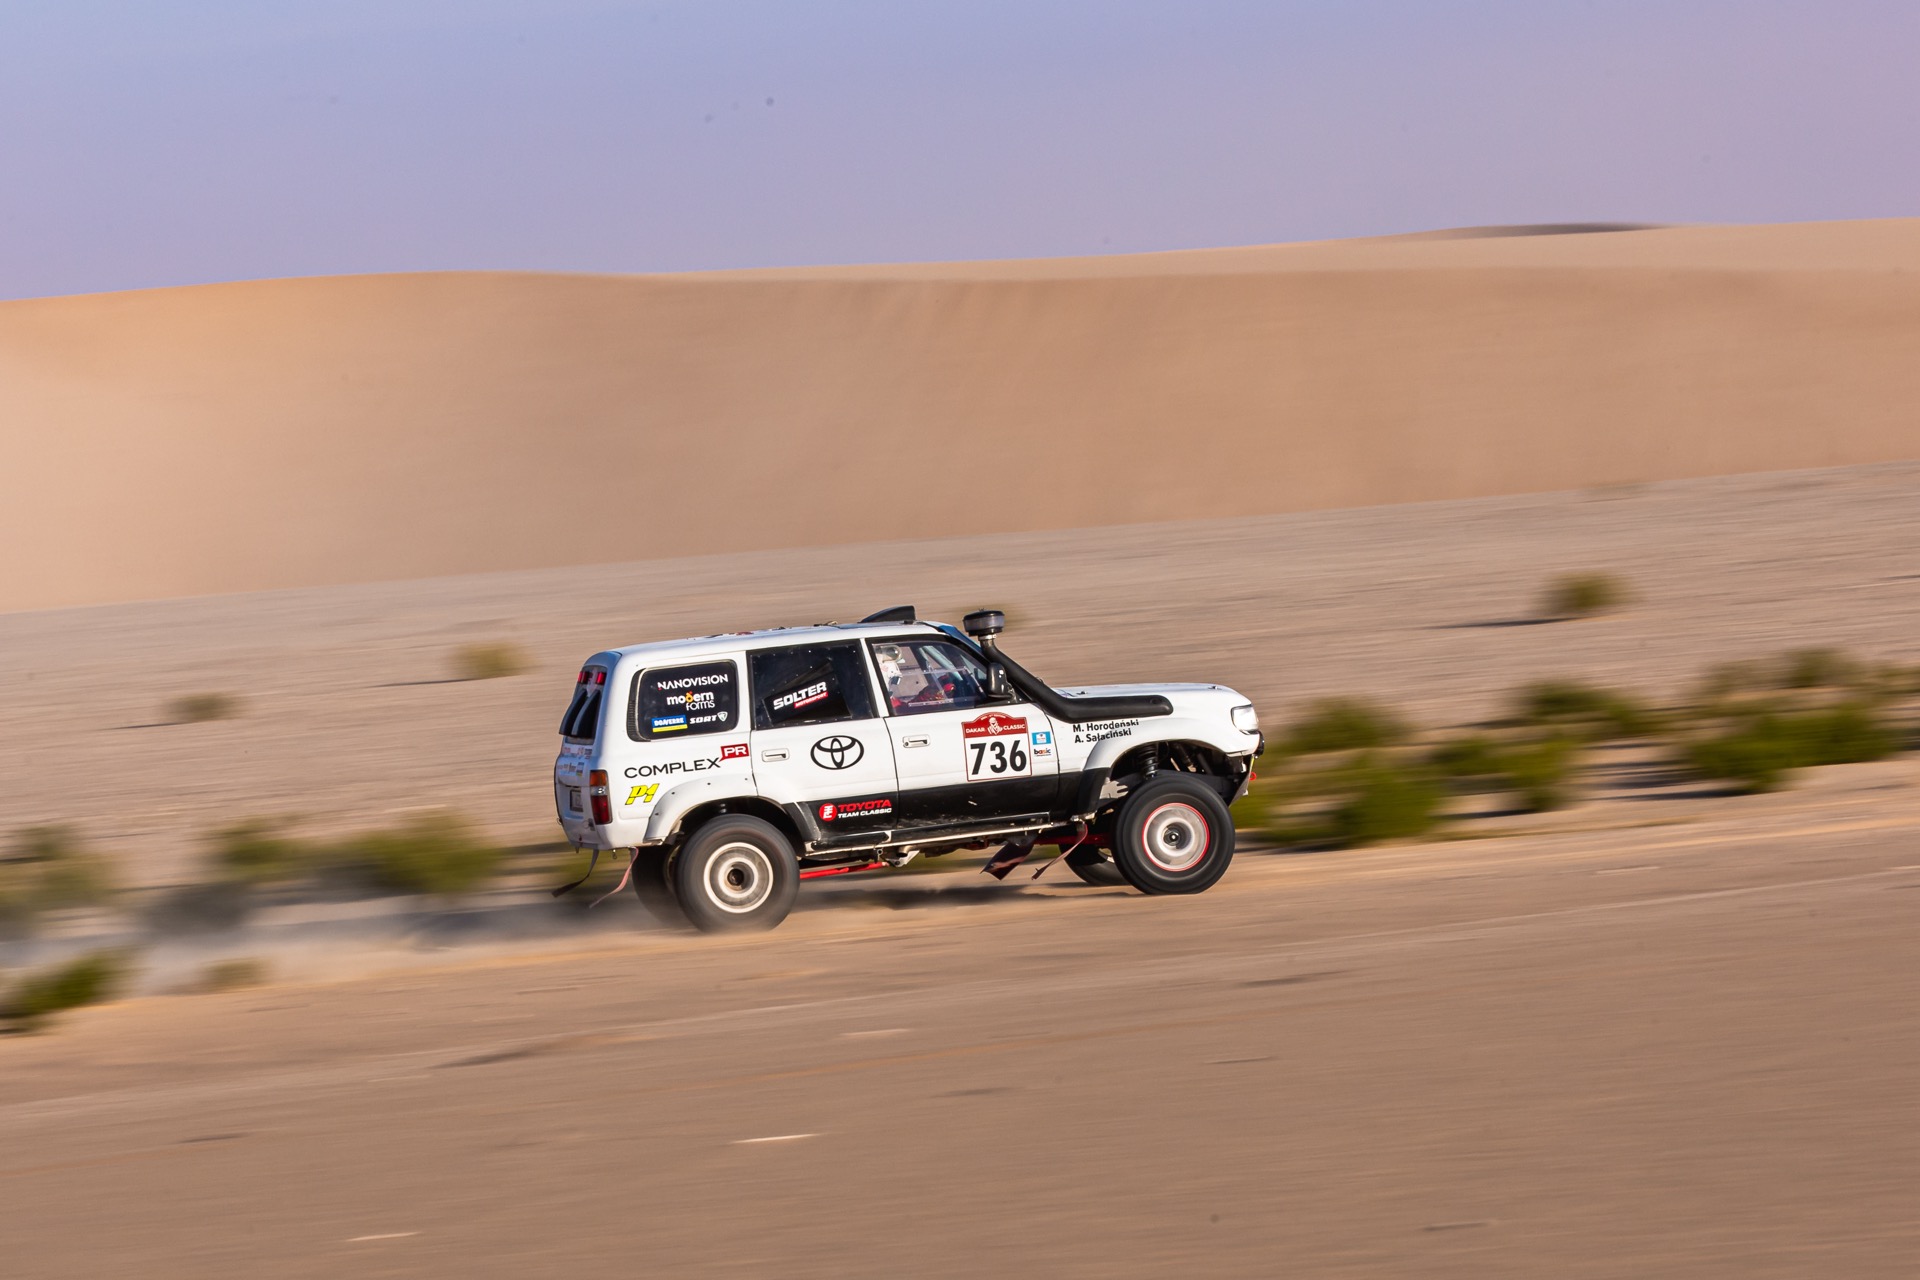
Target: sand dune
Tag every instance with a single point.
(302, 432)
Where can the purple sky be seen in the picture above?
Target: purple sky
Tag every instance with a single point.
(155, 142)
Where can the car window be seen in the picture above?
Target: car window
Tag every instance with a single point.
(810, 684)
(703, 697)
(929, 675)
(581, 722)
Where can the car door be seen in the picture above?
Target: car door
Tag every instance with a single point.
(819, 745)
(964, 759)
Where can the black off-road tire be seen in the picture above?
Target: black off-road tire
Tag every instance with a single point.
(653, 885)
(1173, 835)
(736, 874)
(1095, 868)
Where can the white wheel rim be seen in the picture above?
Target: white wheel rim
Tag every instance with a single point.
(739, 877)
(1176, 837)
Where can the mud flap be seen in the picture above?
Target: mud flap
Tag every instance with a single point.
(569, 888)
(1011, 855)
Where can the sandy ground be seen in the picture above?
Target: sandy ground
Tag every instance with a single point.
(351, 717)
(1678, 1053)
(291, 433)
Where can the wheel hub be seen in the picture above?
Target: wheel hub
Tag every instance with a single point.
(1176, 837)
(739, 877)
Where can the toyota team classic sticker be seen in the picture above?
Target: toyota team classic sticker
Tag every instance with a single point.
(996, 746)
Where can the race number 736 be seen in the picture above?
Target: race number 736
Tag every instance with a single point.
(997, 757)
(997, 746)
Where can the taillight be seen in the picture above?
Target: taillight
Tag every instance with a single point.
(597, 794)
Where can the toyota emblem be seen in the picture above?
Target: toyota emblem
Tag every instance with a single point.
(838, 752)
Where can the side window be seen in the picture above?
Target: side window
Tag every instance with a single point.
(816, 684)
(701, 698)
(929, 675)
(581, 722)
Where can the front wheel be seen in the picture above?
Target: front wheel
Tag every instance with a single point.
(1173, 835)
(736, 874)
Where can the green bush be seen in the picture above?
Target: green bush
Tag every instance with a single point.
(1818, 669)
(431, 853)
(1539, 773)
(490, 661)
(1753, 757)
(196, 708)
(87, 980)
(1584, 595)
(1575, 703)
(1471, 756)
(260, 851)
(1758, 753)
(1344, 724)
(1386, 803)
(47, 868)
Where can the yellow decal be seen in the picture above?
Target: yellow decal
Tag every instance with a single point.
(643, 795)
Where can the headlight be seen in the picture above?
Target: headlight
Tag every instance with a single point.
(1246, 719)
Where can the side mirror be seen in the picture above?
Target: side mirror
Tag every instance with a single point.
(997, 682)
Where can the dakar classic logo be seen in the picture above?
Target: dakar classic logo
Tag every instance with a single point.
(837, 751)
(993, 725)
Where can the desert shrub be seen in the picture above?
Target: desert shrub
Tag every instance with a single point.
(262, 851)
(1473, 755)
(1344, 724)
(1386, 803)
(1847, 734)
(47, 868)
(197, 708)
(1583, 595)
(232, 975)
(1817, 669)
(1575, 703)
(87, 980)
(1539, 773)
(1732, 679)
(1758, 753)
(1754, 757)
(431, 853)
(489, 661)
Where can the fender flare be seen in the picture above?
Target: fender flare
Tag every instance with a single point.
(690, 795)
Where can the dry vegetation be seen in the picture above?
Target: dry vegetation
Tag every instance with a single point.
(1351, 772)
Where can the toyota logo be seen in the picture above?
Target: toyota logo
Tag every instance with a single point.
(838, 752)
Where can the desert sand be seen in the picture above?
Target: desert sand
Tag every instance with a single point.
(350, 717)
(291, 433)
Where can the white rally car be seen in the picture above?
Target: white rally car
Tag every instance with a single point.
(736, 766)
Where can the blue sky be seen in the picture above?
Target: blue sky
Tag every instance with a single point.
(165, 142)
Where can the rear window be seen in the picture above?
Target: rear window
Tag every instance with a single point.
(582, 719)
(815, 684)
(684, 701)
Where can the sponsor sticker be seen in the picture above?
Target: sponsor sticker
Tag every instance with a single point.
(1042, 738)
(643, 795)
(736, 751)
(671, 767)
(669, 724)
(840, 811)
(801, 697)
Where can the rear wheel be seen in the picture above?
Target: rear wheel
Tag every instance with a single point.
(736, 874)
(1095, 868)
(653, 885)
(1173, 835)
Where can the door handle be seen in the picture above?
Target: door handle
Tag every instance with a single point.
(779, 753)
(913, 742)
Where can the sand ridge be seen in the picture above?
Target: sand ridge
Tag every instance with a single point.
(304, 432)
